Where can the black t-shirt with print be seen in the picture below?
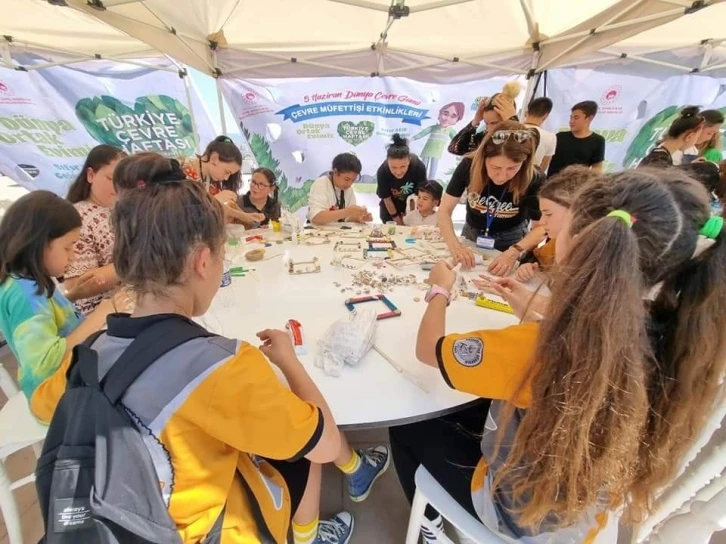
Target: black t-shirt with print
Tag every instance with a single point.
(571, 150)
(400, 189)
(498, 199)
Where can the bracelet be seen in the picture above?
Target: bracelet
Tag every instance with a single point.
(518, 248)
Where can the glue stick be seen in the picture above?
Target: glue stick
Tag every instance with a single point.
(294, 329)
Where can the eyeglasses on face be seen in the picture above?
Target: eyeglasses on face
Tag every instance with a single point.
(259, 185)
(501, 136)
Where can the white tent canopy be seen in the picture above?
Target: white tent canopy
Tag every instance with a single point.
(427, 40)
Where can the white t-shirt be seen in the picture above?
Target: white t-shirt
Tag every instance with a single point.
(324, 197)
(547, 144)
(415, 219)
(677, 156)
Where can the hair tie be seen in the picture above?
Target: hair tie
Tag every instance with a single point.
(141, 184)
(712, 228)
(624, 216)
(175, 174)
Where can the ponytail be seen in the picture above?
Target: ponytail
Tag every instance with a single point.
(579, 439)
(691, 309)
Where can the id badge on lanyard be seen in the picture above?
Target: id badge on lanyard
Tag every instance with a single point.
(484, 241)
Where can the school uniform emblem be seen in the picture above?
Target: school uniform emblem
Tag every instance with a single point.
(468, 351)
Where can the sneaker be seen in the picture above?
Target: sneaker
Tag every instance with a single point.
(373, 463)
(335, 531)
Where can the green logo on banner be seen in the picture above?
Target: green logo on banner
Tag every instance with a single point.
(356, 133)
(155, 123)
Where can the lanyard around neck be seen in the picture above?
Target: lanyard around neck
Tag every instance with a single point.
(490, 215)
(339, 200)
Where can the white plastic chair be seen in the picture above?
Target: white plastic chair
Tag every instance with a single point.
(429, 491)
(18, 430)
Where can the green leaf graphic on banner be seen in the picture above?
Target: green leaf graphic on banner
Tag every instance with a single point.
(155, 123)
(648, 135)
(356, 133)
(292, 198)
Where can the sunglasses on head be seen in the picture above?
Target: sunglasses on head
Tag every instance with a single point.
(501, 136)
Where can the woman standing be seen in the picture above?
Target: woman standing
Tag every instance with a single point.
(262, 196)
(683, 133)
(93, 195)
(219, 168)
(492, 111)
(398, 178)
(502, 187)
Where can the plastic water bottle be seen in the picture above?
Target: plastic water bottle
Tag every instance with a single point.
(226, 277)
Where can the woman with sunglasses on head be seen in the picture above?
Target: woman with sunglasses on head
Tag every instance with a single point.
(219, 168)
(262, 196)
(502, 186)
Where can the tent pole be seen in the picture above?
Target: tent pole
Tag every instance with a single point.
(220, 99)
(220, 103)
(184, 75)
(532, 83)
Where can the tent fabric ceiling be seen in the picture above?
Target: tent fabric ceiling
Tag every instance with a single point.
(437, 40)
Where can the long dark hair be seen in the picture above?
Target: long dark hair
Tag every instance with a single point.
(100, 156)
(620, 387)
(272, 180)
(29, 225)
(227, 151)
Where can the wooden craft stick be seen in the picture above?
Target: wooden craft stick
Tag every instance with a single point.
(410, 377)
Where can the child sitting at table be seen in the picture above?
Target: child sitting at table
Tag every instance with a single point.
(428, 198)
(600, 400)
(263, 196)
(332, 197)
(555, 198)
(39, 322)
(225, 410)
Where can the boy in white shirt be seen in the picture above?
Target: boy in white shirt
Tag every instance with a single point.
(427, 200)
(537, 113)
(332, 197)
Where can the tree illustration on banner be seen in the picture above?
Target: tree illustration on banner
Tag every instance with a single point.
(155, 123)
(292, 198)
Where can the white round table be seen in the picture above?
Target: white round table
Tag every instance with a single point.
(373, 393)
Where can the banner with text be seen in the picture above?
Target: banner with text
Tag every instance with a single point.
(296, 126)
(51, 118)
(634, 111)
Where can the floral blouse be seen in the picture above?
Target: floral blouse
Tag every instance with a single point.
(192, 168)
(94, 248)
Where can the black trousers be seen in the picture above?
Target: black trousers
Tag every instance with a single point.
(449, 448)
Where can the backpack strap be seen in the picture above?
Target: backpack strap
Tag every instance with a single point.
(147, 347)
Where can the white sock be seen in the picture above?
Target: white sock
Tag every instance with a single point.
(430, 536)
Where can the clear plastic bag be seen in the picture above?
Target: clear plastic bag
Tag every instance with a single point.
(346, 341)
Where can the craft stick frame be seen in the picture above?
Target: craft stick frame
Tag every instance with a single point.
(351, 303)
(373, 243)
(315, 262)
(347, 247)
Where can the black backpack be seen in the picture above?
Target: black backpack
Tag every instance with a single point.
(95, 479)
